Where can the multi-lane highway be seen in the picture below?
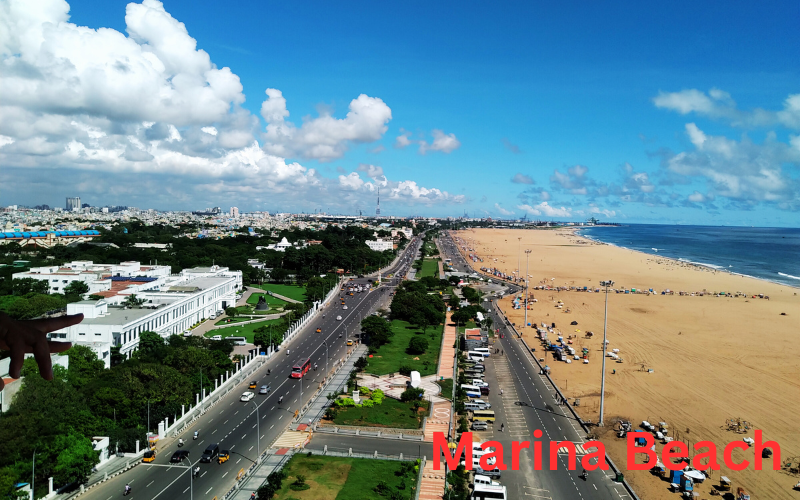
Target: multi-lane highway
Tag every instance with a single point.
(245, 428)
(526, 405)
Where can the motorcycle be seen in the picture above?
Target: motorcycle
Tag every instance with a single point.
(196, 435)
(127, 491)
(180, 443)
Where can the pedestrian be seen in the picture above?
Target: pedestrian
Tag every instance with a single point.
(502, 426)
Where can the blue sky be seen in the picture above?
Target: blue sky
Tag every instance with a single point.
(681, 113)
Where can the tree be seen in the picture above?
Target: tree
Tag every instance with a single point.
(412, 394)
(231, 312)
(377, 330)
(76, 288)
(131, 301)
(24, 286)
(83, 366)
(76, 459)
(417, 345)
(263, 336)
(150, 345)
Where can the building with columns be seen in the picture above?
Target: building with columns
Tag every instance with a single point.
(171, 306)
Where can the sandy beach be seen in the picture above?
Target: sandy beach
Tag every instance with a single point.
(713, 358)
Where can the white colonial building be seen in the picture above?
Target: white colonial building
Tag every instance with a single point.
(171, 305)
(380, 244)
(99, 277)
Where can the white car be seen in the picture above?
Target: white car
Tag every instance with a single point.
(344, 307)
(247, 396)
(338, 318)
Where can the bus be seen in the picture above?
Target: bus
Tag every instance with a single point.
(471, 390)
(301, 368)
(478, 353)
(486, 415)
(483, 350)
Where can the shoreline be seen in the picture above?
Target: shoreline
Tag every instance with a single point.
(712, 267)
(684, 358)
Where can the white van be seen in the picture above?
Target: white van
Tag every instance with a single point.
(470, 406)
(479, 383)
(478, 354)
(489, 491)
(480, 479)
(480, 402)
(471, 390)
(216, 337)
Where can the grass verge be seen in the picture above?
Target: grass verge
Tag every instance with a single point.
(392, 356)
(292, 291)
(447, 388)
(430, 267)
(344, 478)
(391, 413)
(247, 331)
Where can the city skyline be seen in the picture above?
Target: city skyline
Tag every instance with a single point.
(632, 113)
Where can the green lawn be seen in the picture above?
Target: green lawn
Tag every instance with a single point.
(342, 478)
(430, 267)
(447, 388)
(272, 301)
(390, 413)
(392, 356)
(247, 330)
(292, 291)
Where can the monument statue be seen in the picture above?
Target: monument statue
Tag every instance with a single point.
(262, 304)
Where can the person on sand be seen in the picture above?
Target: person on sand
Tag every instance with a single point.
(30, 336)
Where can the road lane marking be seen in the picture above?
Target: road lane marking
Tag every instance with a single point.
(148, 484)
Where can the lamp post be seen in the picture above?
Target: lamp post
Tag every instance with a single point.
(258, 433)
(527, 256)
(606, 283)
(519, 253)
(33, 476)
(325, 343)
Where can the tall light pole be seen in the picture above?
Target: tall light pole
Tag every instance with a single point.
(325, 343)
(606, 283)
(527, 256)
(33, 476)
(258, 433)
(519, 254)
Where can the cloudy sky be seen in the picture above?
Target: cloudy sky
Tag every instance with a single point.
(686, 113)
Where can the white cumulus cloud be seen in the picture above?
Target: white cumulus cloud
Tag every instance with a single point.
(545, 209)
(324, 138)
(501, 210)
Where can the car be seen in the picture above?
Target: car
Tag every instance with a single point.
(216, 337)
(187, 333)
(349, 343)
(149, 456)
(247, 396)
(213, 316)
(338, 318)
(319, 330)
(179, 456)
(224, 456)
(479, 425)
(253, 384)
(264, 389)
(212, 452)
(344, 307)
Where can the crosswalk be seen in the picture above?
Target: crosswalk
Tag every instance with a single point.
(292, 439)
(516, 423)
(579, 450)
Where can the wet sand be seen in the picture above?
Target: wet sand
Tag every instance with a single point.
(712, 358)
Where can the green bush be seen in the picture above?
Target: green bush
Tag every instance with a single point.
(377, 396)
(412, 394)
(417, 345)
(405, 370)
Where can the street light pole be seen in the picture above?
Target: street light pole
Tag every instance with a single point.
(527, 256)
(258, 433)
(325, 343)
(33, 476)
(519, 253)
(606, 283)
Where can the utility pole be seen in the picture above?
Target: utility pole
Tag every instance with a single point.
(527, 256)
(519, 254)
(33, 476)
(258, 433)
(606, 283)
(325, 342)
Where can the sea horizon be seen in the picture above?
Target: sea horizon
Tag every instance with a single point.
(771, 251)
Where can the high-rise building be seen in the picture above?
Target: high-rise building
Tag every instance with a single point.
(73, 203)
(378, 208)
(234, 211)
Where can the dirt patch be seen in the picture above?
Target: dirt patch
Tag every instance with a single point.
(639, 310)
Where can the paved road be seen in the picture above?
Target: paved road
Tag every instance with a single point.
(527, 404)
(234, 425)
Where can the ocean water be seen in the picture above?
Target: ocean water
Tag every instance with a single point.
(762, 252)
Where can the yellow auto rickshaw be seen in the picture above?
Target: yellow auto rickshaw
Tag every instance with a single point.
(224, 456)
(149, 456)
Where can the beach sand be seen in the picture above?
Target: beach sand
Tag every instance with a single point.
(713, 358)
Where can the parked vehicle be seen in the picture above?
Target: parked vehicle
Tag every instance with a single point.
(478, 425)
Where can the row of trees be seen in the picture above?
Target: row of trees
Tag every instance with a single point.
(58, 419)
